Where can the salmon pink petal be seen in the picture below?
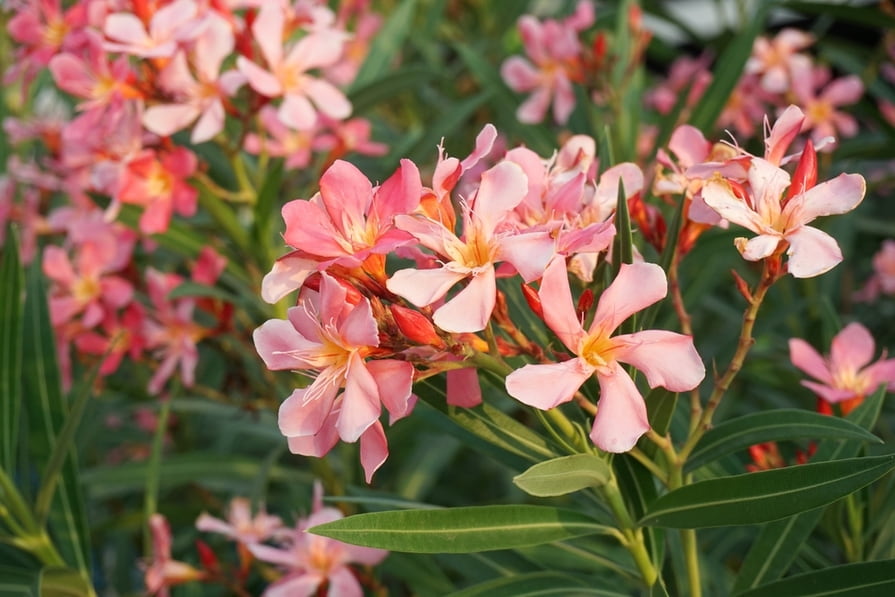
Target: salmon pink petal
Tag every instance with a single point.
(547, 386)
(57, 266)
(423, 286)
(156, 217)
(72, 75)
(758, 247)
(852, 348)
(360, 402)
(330, 301)
(300, 416)
(519, 74)
(275, 340)
(636, 287)
(829, 394)
(559, 310)
(462, 387)
(809, 360)
(359, 328)
(785, 129)
(289, 272)
(882, 372)
(297, 112)
(346, 194)
(167, 119)
(564, 99)
(528, 252)
(341, 581)
(470, 309)
(309, 228)
(259, 79)
(268, 32)
(63, 309)
(328, 98)
(532, 110)
(116, 292)
(502, 188)
(621, 417)
(811, 252)
(843, 91)
(317, 50)
(373, 449)
(689, 145)
(837, 196)
(210, 123)
(399, 194)
(484, 142)
(668, 359)
(126, 28)
(395, 381)
(317, 445)
(431, 234)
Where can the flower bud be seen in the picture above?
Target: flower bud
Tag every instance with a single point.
(415, 326)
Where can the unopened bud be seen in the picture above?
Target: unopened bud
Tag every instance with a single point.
(415, 326)
(533, 300)
(742, 286)
(805, 175)
(585, 302)
(207, 556)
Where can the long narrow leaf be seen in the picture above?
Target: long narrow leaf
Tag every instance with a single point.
(779, 542)
(564, 475)
(767, 495)
(460, 530)
(12, 303)
(773, 425)
(848, 580)
(535, 584)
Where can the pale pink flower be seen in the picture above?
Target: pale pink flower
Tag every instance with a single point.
(171, 25)
(883, 279)
(312, 560)
(488, 237)
(201, 97)
(667, 359)
(163, 571)
(240, 525)
(820, 99)
(845, 376)
(345, 223)
(685, 74)
(279, 140)
(774, 60)
(332, 339)
(553, 63)
(349, 136)
(288, 75)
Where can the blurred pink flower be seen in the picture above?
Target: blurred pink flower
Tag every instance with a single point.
(157, 182)
(172, 24)
(553, 63)
(279, 140)
(163, 571)
(883, 279)
(845, 376)
(820, 99)
(240, 525)
(667, 359)
(312, 560)
(774, 60)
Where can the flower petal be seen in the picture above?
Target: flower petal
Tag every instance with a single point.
(621, 417)
(668, 359)
(804, 357)
(360, 402)
(423, 286)
(559, 310)
(549, 385)
(852, 349)
(373, 449)
(637, 286)
(471, 308)
(811, 252)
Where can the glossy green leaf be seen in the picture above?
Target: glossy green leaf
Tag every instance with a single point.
(12, 304)
(535, 584)
(865, 579)
(460, 530)
(767, 495)
(772, 425)
(386, 44)
(729, 67)
(47, 411)
(563, 475)
(778, 543)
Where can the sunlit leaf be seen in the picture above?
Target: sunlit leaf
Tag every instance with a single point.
(563, 475)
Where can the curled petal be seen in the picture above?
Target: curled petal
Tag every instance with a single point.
(757, 248)
(373, 449)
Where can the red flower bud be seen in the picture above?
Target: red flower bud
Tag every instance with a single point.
(415, 326)
(533, 300)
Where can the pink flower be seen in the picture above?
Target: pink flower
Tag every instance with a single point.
(91, 76)
(488, 237)
(279, 140)
(845, 376)
(554, 50)
(303, 95)
(345, 223)
(666, 358)
(332, 339)
(883, 278)
(163, 571)
(241, 526)
(175, 23)
(158, 184)
(820, 98)
(311, 560)
(685, 74)
(774, 60)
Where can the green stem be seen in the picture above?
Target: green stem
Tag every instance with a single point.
(153, 468)
(691, 556)
(856, 525)
(634, 542)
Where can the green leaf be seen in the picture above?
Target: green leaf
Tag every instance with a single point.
(779, 542)
(12, 304)
(563, 475)
(772, 425)
(460, 530)
(727, 71)
(47, 411)
(535, 584)
(386, 87)
(386, 44)
(62, 582)
(660, 405)
(638, 488)
(766, 495)
(17, 582)
(849, 580)
(870, 15)
(266, 215)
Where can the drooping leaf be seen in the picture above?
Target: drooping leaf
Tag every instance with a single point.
(767, 495)
(564, 475)
(778, 543)
(772, 425)
(866, 579)
(460, 530)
